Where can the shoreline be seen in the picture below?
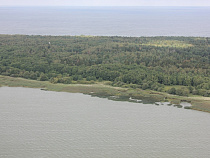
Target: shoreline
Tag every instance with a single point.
(102, 89)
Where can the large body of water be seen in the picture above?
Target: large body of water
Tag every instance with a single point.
(106, 21)
(35, 123)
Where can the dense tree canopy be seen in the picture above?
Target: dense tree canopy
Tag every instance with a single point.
(142, 62)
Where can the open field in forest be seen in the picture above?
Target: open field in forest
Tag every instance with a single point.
(101, 89)
(168, 43)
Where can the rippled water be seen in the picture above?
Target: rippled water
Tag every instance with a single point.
(35, 123)
(106, 21)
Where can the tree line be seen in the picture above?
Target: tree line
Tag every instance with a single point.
(137, 62)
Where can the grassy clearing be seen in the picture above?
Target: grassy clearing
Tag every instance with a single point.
(168, 43)
(166, 88)
(103, 90)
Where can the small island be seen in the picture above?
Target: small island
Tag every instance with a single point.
(170, 69)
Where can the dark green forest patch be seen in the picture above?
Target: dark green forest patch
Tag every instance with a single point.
(176, 65)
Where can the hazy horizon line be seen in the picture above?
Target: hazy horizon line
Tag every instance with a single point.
(101, 6)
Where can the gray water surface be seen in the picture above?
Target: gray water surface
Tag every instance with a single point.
(35, 123)
(106, 21)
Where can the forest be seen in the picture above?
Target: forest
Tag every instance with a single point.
(177, 65)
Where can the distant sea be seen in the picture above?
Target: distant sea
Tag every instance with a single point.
(106, 21)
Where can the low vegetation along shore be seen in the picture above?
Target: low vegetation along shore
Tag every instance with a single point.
(148, 69)
(103, 89)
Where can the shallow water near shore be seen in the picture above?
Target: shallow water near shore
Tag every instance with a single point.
(35, 123)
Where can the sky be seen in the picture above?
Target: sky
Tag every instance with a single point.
(104, 2)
